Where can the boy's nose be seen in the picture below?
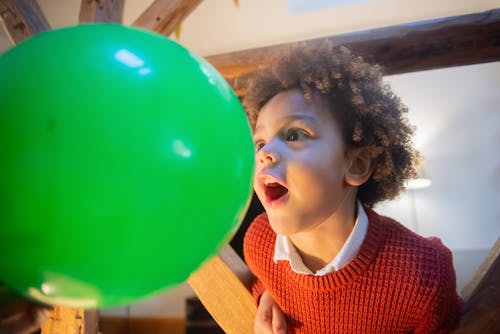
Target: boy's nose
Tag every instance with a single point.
(268, 155)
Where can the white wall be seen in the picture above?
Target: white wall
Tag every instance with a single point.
(457, 114)
(456, 111)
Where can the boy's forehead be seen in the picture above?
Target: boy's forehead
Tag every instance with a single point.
(292, 97)
(289, 106)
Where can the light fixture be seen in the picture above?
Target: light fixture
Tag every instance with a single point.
(421, 181)
(302, 6)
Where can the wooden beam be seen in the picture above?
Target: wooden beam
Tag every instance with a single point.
(22, 19)
(222, 285)
(64, 320)
(481, 295)
(164, 16)
(71, 320)
(451, 41)
(90, 322)
(471, 287)
(106, 11)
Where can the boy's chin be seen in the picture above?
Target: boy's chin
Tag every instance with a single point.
(279, 224)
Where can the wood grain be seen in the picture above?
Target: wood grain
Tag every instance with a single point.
(220, 286)
(104, 11)
(425, 45)
(481, 295)
(164, 16)
(22, 19)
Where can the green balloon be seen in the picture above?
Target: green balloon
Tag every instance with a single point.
(126, 161)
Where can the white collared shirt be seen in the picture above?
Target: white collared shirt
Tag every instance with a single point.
(284, 250)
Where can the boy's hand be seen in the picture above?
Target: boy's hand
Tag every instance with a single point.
(269, 318)
(19, 315)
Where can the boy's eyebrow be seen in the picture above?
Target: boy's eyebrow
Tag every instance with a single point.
(292, 118)
(300, 117)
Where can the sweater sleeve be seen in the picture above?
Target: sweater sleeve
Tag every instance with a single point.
(257, 290)
(254, 250)
(443, 311)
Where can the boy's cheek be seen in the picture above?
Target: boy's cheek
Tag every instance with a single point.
(259, 194)
(255, 184)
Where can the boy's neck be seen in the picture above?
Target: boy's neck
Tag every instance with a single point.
(319, 247)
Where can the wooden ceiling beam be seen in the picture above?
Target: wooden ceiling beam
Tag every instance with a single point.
(164, 16)
(451, 41)
(105, 11)
(22, 19)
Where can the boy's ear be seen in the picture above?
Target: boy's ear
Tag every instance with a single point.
(361, 167)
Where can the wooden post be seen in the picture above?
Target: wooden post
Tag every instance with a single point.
(65, 320)
(22, 19)
(105, 11)
(163, 16)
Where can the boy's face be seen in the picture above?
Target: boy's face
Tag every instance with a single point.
(300, 162)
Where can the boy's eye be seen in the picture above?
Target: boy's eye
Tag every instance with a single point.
(258, 146)
(295, 134)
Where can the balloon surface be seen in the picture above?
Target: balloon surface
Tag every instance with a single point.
(126, 161)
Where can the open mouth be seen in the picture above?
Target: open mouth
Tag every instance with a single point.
(275, 191)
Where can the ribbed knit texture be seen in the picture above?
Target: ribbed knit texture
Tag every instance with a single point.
(399, 282)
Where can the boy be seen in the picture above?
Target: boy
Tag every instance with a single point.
(331, 141)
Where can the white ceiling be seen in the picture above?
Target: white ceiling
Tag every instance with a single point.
(218, 26)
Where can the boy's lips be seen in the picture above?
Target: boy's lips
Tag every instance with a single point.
(274, 189)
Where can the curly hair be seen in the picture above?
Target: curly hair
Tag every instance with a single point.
(368, 112)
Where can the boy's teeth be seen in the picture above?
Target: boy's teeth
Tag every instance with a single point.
(268, 182)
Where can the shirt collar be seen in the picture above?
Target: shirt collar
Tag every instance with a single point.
(284, 249)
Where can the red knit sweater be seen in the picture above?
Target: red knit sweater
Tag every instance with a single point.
(399, 282)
